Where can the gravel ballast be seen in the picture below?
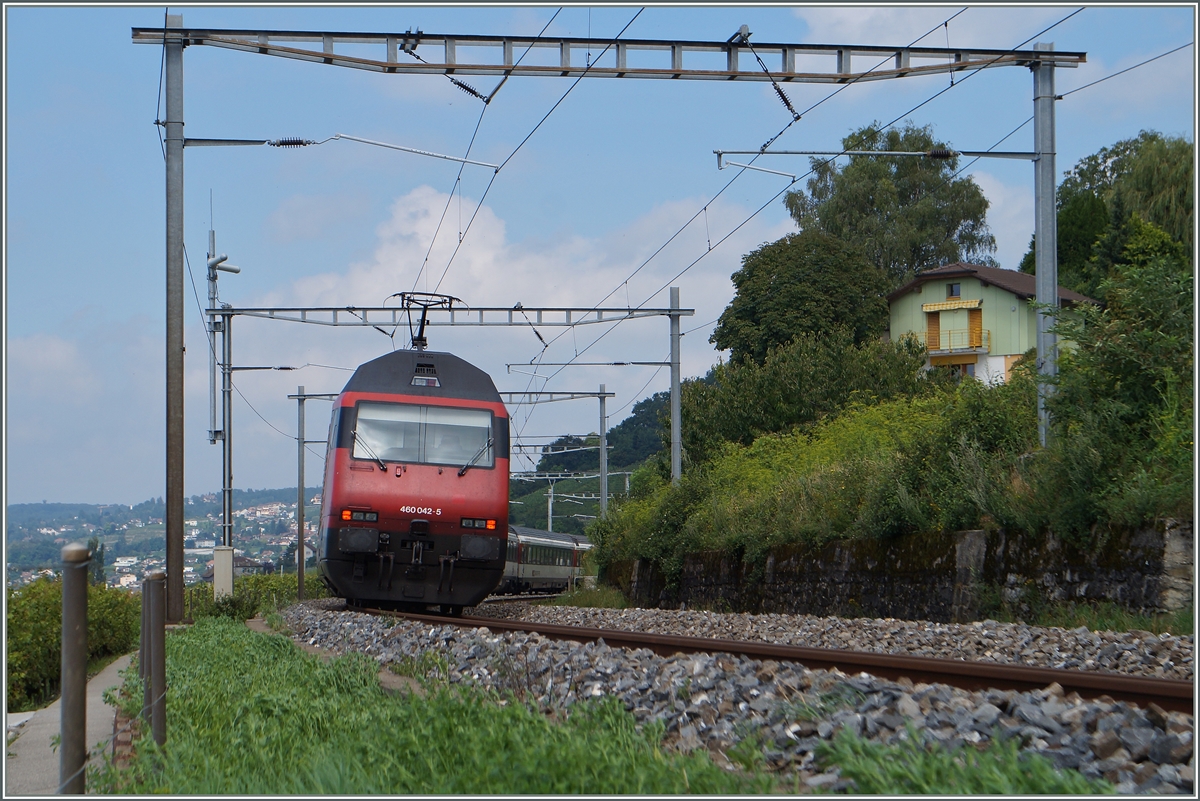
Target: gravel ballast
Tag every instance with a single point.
(1137, 653)
(715, 701)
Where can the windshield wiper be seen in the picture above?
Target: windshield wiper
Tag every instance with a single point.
(359, 438)
(475, 458)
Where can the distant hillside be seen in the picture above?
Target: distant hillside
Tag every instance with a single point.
(26, 518)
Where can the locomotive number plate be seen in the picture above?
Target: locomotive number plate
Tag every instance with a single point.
(420, 510)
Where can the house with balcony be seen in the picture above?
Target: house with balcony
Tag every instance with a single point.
(973, 319)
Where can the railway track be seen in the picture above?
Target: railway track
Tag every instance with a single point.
(1169, 694)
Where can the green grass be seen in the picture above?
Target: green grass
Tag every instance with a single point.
(910, 768)
(598, 597)
(1108, 616)
(252, 714)
(1096, 616)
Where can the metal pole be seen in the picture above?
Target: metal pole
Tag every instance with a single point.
(603, 455)
(173, 45)
(143, 634)
(676, 442)
(1045, 232)
(227, 431)
(212, 340)
(300, 492)
(158, 658)
(146, 646)
(550, 509)
(73, 743)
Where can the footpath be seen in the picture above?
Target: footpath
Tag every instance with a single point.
(31, 763)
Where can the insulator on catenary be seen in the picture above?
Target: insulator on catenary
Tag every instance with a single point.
(940, 153)
(471, 90)
(291, 142)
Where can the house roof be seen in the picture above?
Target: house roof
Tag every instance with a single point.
(1023, 285)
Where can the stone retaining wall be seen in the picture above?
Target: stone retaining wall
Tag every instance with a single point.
(945, 578)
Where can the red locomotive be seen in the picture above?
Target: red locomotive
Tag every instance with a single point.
(414, 511)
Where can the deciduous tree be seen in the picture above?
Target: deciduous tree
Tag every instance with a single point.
(807, 283)
(907, 213)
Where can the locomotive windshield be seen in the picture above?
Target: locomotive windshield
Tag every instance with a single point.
(401, 432)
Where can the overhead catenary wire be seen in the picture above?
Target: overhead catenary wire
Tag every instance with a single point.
(946, 181)
(704, 209)
(786, 188)
(1122, 72)
(517, 149)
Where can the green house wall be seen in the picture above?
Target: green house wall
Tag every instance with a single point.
(1010, 320)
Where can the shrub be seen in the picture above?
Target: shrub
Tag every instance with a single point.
(34, 636)
(252, 595)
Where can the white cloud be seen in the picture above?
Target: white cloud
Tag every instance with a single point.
(490, 270)
(95, 392)
(1168, 83)
(308, 217)
(85, 417)
(48, 366)
(992, 28)
(1010, 216)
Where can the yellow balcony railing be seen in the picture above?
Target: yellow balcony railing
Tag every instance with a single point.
(958, 339)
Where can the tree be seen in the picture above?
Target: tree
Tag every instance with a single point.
(909, 214)
(1122, 408)
(806, 283)
(1149, 175)
(640, 435)
(1082, 219)
(635, 439)
(570, 461)
(96, 568)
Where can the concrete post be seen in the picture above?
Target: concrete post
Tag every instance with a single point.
(300, 492)
(550, 508)
(73, 746)
(1045, 231)
(603, 455)
(227, 430)
(222, 571)
(676, 440)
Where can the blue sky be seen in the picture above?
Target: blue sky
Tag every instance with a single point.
(617, 168)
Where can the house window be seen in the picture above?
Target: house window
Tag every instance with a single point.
(966, 370)
(953, 290)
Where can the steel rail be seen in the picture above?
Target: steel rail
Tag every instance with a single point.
(1170, 694)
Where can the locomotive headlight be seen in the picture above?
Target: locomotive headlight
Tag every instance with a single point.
(349, 514)
(491, 525)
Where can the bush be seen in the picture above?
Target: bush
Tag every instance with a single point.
(252, 595)
(800, 384)
(1123, 421)
(945, 461)
(34, 636)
